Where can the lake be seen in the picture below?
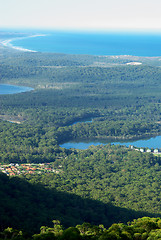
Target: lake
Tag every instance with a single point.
(12, 89)
(154, 142)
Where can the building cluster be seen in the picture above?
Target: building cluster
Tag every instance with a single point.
(155, 151)
(30, 168)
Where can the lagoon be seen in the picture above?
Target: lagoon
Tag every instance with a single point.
(153, 142)
(12, 89)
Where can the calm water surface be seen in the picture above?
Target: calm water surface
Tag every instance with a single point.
(154, 142)
(109, 43)
(12, 89)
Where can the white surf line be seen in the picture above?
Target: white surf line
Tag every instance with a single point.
(7, 43)
(134, 63)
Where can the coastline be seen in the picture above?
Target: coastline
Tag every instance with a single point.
(8, 43)
(77, 43)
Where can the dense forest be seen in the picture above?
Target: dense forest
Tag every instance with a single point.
(27, 206)
(100, 185)
(104, 184)
(123, 101)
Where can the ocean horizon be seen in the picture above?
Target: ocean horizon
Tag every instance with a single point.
(109, 43)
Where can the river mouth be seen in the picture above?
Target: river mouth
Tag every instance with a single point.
(13, 89)
(151, 143)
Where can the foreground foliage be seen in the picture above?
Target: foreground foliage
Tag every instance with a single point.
(138, 229)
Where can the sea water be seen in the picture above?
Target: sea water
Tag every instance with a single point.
(107, 43)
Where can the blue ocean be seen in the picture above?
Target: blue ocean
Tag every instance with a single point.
(109, 43)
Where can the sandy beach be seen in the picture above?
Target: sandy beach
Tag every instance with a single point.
(8, 43)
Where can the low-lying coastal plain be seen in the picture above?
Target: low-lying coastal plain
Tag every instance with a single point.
(77, 97)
